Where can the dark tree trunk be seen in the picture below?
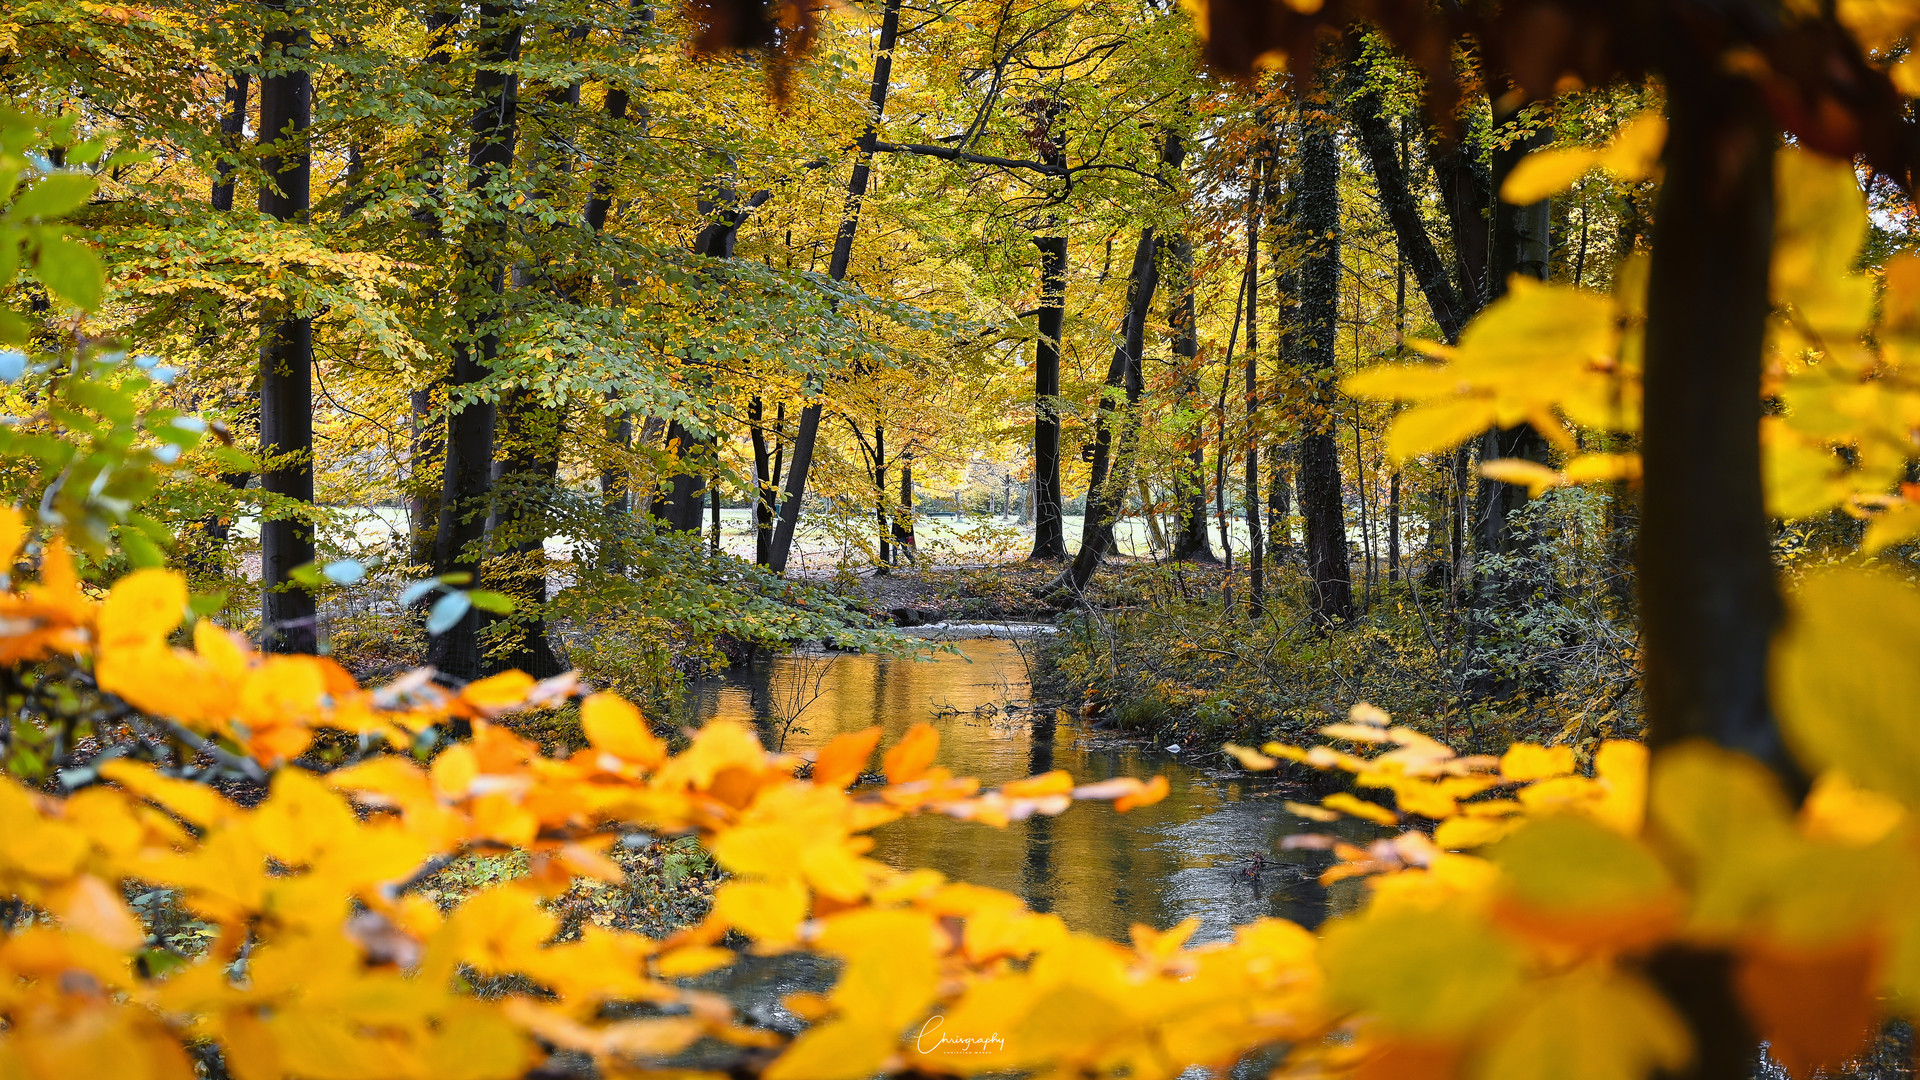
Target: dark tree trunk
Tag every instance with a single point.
(287, 619)
(809, 432)
(1279, 503)
(679, 502)
(1190, 536)
(1709, 601)
(1115, 436)
(232, 130)
(1049, 529)
(1259, 189)
(903, 521)
(233, 125)
(524, 479)
(425, 460)
(1317, 463)
(468, 470)
(880, 495)
(1379, 146)
(766, 475)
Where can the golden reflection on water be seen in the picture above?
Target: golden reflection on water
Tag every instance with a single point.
(1211, 849)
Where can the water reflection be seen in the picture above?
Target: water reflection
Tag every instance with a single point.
(1210, 849)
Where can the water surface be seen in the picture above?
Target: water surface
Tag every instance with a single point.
(1211, 849)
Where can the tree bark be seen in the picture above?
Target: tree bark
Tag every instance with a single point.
(425, 461)
(288, 620)
(1258, 191)
(809, 432)
(1116, 437)
(1317, 462)
(468, 470)
(1049, 528)
(1190, 541)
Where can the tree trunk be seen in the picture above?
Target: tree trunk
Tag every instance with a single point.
(1708, 597)
(232, 131)
(809, 432)
(425, 463)
(903, 521)
(1379, 147)
(1329, 579)
(1190, 534)
(288, 620)
(1115, 437)
(766, 475)
(1258, 189)
(880, 495)
(1049, 529)
(468, 470)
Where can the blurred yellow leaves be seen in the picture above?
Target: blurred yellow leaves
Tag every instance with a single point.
(1538, 353)
(1632, 155)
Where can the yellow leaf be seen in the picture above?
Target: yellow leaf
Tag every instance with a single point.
(1897, 525)
(770, 912)
(1462, 833)
(94, 908)
(1532, 475)
(1843, 675)
(1546, 173)
(1592, 1024)
(1249, 758)
(1360, 808)
(13, 535)
(1591, 468)
(616, 727)
(1621, 767)
(1528, 761)
(1438, 425)
(498, 693)
(143, 608)
(911, 756)
(1580, 881)
(471, 1042)
(1820, 223)
(1635, 150)
(1421, 972)
(691, 960)
(1837, 811)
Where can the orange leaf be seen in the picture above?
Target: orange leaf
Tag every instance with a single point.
(910, 757)
(1151, 792)
(841, 760)
(615, 727)
(1815, 1008)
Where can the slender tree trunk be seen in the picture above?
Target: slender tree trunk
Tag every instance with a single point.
(880, 495)
(766, 475)
(1257, 191)
(1049, 528)
(1279, 503)
(233, 126)
(903, 521)
(232, 133)
(1117, 430)
(1393, 528)
(459, 538)
(288, 620)
(809, 431)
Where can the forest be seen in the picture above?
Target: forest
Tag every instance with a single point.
(929, 538)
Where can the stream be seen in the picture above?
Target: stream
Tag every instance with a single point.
(1210, 850)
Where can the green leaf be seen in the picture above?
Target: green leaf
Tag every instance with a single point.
(71, 271)
(52, 197)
